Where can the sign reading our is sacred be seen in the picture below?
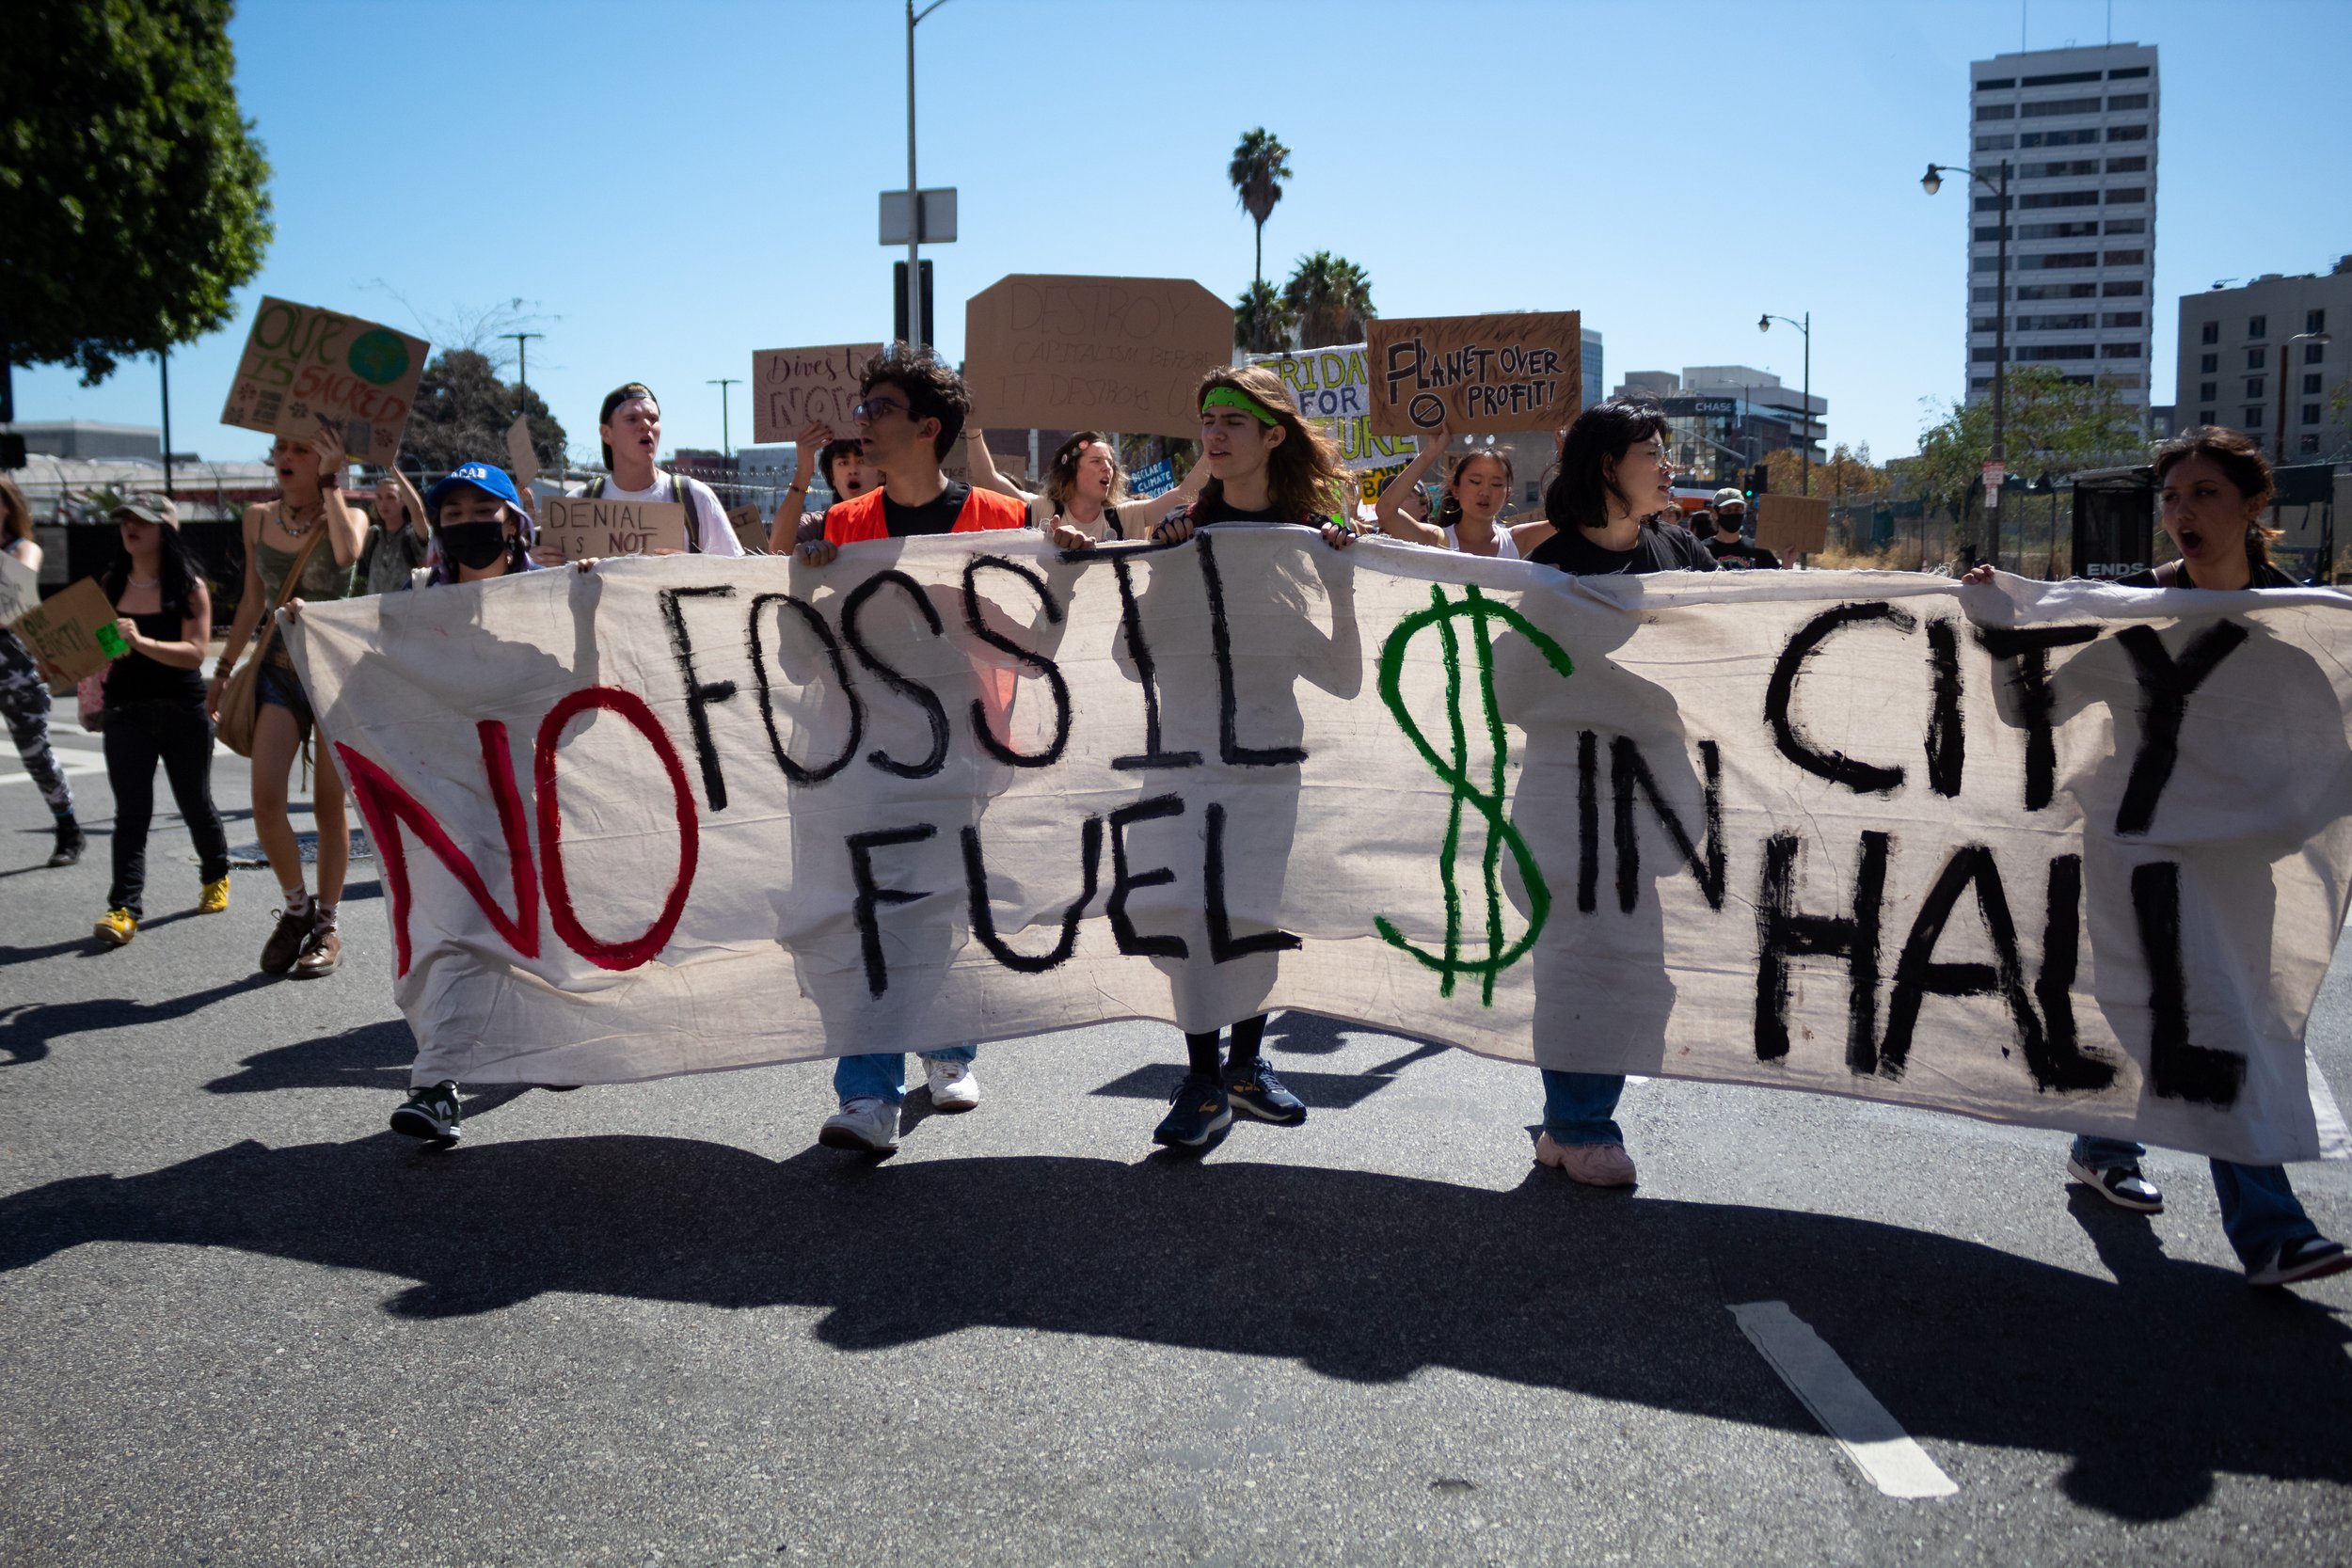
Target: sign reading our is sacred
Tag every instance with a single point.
(303, 363)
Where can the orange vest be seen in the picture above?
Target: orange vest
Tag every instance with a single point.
(853, 522)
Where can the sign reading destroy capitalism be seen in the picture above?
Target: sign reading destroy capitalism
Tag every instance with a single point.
(1522, 370)
(2071, 857)
(795, 387)
(1332, 389)
(1122, 353)
(302, 363)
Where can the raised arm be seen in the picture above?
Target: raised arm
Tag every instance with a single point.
(784, 528)
(1391, 517)
(346, 527)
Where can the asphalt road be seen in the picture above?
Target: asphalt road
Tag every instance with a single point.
(240, 1321)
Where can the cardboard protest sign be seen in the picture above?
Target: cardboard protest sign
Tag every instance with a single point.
(1332, 388)
(1120, 353)
(1907, 842)
(1791, 526)
(795, 387)
(522, 458)
(580, 527)
(301, 363)
(1521, 371)
(750, 528)
(75, 630)
(20, 588)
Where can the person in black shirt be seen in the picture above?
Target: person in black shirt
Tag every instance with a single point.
(1719, 526)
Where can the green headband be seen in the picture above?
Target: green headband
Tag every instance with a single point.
(1234, 397)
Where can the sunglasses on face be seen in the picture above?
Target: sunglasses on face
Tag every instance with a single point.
(874, 409)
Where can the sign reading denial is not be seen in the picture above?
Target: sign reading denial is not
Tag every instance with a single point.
(1522, 370)
(301, 363)
(580, 526)
(1102, 353)
(795, 387)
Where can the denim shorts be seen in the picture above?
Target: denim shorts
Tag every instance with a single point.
(275, 686)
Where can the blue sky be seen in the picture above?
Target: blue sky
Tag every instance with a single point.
(671, 187)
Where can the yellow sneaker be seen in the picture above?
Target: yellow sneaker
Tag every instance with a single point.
(215, 898)
(115, 928)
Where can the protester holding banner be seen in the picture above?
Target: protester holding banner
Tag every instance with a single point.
(24, 696)
(397, 545)
(629, 427)
(154, 709)
(1720, 524)
(911, 409)
(1085, 499)
(1477, 488)
(313, 535)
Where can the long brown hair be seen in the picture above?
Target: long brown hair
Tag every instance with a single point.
(1304, 473)
(18, 524)
(2241, 463)
(1061, 473)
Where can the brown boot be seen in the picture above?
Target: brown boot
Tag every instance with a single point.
(321, 952)
(285, 943)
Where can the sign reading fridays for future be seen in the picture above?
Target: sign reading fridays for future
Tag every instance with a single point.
(1332, 389)
(301, 363)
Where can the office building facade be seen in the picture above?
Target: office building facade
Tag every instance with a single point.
(2243, 349)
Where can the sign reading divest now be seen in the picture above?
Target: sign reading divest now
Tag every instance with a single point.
(1522, 370)
(795, 387)
(1332, 388)
(1122, 353)
(302, 362)
(2071, 857)
(580, 526)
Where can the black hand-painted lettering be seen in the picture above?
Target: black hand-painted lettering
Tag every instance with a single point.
(1917, 974)
(1224, 947)
(922, 696)
(1780, 696)
(1628, 773)
(1587, 821)
(1947, 738)
(1228, 700)
(977, 626)
(2165, 687)
(1139, 652)
(700, 693)
(2029, 648)
(871, 897)
(2176, 1068)
(832, 645)
(2065, 1064)
(1123, 881)
(1784, 933)
(984, 919)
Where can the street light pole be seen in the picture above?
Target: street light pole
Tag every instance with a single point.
(2286, 357)
(522, 358)
(914, 192)
(163, 368)
(1764, 324)
(723, 383)
(1997, 182)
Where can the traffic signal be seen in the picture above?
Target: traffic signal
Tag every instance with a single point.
(898, 297)
(1758, 482)
(11, 451)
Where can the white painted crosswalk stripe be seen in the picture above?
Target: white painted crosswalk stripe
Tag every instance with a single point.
(1872, 1438)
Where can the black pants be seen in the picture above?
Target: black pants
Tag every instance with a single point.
(137, 735)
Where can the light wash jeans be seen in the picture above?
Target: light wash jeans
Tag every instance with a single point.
(2260, 1213)
(882, 1075)
(1578, 1106)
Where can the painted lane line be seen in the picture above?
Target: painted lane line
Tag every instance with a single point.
(1872, 1438)
(2335, 1140)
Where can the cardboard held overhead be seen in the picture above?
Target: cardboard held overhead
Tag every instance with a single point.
(1119, 353)
(1792, 525)
(1332, 389)
(579, 526)
(522, 458)
(795, 387)
(301, 363)
(74, 632)
(1522, 370)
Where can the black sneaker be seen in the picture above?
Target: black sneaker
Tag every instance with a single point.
(431, 1114)
(70, 841)
(1254, 1091)
(2312, 1257)
(1196, 1115)
(2122, 1185)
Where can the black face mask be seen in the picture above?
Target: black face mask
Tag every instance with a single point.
(473, 546)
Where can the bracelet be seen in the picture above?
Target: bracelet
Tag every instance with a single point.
(797, 487)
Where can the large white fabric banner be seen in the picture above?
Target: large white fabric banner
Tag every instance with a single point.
(2070, 857)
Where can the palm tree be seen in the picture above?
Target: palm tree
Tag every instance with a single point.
(1258, 167)
(1262, 321)
(1332, 299)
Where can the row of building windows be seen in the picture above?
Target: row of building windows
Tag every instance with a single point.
(2050, 107)
(2080, 321)
(2080, 230)
(2048, 259)
(2090, 137)
(2313, 354)
(2113, 288)
(2256, 423)
(2063, 351)
(2137, 164)
(2119, 196)
(2065, 78)
(2259, 327)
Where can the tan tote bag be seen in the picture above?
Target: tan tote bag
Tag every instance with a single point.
(240, 700)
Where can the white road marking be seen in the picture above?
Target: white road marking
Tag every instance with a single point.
(2335, 1140)
(1873, 1439)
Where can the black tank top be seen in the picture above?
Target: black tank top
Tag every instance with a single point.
(136, 678)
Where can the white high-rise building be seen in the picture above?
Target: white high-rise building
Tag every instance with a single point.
(2077, 130)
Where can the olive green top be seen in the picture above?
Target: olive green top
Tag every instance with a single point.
(322, 579)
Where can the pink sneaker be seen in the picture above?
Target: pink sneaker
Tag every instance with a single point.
(1594, 1164)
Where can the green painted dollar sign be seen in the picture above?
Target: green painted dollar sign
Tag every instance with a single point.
(1454, 766)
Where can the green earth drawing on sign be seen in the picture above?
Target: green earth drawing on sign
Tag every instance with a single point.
(378, 357)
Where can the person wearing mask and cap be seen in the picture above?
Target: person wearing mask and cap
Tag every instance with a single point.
(630, 427)
(1725, 544)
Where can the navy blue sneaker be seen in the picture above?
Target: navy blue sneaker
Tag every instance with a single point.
(1197, 1115)
(432, 1114)
(1254, 1091)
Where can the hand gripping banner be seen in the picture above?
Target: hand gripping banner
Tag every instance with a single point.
(2070, 857)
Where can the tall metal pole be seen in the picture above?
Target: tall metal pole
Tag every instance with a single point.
(522, 359)
(163, 368)
(1807, 395)
(915, 205)
(2000, 365)
(726, 441)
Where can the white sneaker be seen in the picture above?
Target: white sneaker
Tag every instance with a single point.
(953, 1087)
(869, 1125)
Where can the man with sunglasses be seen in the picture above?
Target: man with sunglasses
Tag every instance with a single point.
(911, 409)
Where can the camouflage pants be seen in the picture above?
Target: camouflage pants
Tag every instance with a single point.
(24, 703)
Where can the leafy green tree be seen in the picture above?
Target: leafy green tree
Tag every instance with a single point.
(1332, 299)
(1259, 164)
(132, 196)
(463, 410)
(2053, 423)
(1262, 324)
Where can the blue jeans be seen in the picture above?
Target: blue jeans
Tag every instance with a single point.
(1578, 1106)
(882, 1075)
(2260, 1213)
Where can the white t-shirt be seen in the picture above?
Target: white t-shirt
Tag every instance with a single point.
(1506, 548)
(711, 519)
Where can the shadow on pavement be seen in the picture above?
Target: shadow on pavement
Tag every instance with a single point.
(27, 1032)
(2149, 1387)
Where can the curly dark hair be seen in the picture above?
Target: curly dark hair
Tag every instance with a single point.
(933, 389)
(1582, 484)
(2241, 463)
